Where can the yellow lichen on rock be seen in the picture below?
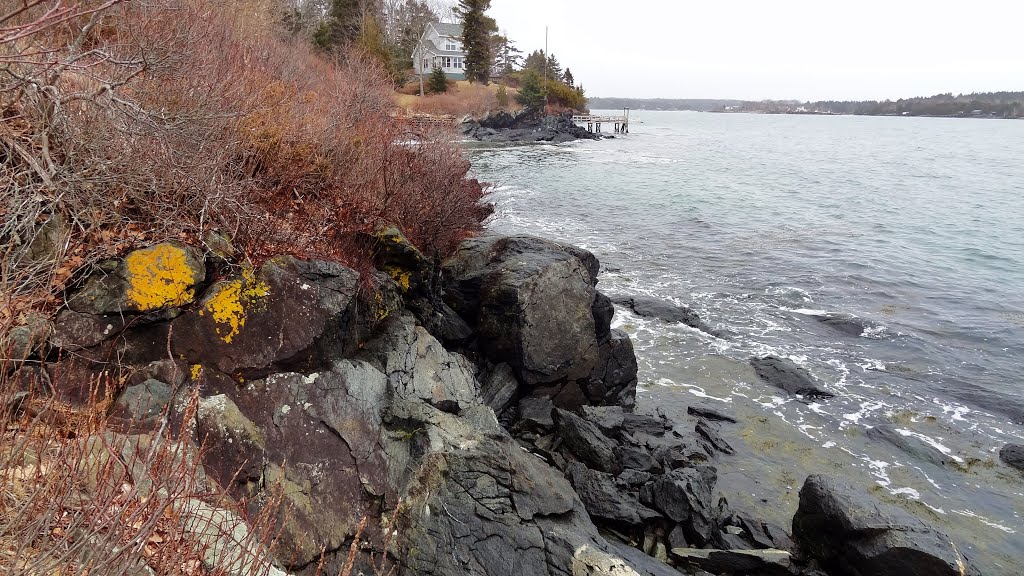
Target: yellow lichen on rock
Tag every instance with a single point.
(401, 277)
(227, 305)
(160, 276)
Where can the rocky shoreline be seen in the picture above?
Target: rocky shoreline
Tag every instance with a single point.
(480, 413)
(524, 126)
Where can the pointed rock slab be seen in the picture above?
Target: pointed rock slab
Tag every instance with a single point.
(287, 312)
(684, 495)
(852, 534)
(530, 301)
(785, 374)
(762, 562)
(586, 442)
(160, 277)
(604, 500)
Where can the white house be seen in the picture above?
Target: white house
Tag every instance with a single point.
(441, 47)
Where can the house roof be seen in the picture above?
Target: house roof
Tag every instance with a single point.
(437, 51)
(448, 29)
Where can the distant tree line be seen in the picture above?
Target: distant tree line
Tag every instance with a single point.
(698, 104)
(976, 105)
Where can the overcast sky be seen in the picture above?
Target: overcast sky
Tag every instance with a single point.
(756, 49)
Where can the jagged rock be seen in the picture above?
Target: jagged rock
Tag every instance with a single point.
(648, 307)
(677, 537)
(850, 533)
(159, 277)
(603, 311)
(284, 314)
(709, 433)
(603, 499)
(785, 374)
(684, 495)
(498, 388)
(633, 458)
(24, 340)
(912, 446)
(586, 442)
(642, 563)
(615, 377)
(631, 480)
(709, 414)
(644, 424)
(845, 323)
(535, 414)
(761, 562)
(607, 418)
(530, 301)
(1013, 455)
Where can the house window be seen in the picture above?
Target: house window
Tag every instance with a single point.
(448, 62)
(451, 45)
(426, 64)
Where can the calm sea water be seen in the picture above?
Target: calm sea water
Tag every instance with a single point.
(763, 224)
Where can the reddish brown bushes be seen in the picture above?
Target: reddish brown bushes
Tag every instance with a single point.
(131, 122)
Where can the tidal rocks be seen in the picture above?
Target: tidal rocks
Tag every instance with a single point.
(524, 126)
(762, 562)
(845, 323)
(684, 495)
(852, 534)
(709, 413)
(605, 500)
(648, 307)
(1013, 455)
(785, 374)
(586, 442)
(912, 446)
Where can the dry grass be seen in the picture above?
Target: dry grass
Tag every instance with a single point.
(461, 99)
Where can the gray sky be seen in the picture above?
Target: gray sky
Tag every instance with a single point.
(756, 49)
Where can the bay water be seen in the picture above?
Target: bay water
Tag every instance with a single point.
(911, 228)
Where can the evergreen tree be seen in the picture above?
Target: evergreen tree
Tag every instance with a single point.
(476, 38)
(568, 78)
(344, 23)
(502, 96)
(506, 55)
(438, 82)
(531, 93)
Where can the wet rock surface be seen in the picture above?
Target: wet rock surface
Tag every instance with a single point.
(525, 126)
(1013, 455)
(851, 533)
(912, 446)
(787, 375)
(647, 307)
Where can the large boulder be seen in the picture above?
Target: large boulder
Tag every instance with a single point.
(159, 277)
(852, 534)
(647, 307)
(530, 301)
(283, 313)
(684, 495)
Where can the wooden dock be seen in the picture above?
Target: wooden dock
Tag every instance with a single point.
(594, 121)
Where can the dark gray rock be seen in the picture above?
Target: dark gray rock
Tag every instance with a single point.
(535, 415)
(633, 458)
(785, 374)
(708, 432)
(644, 424)
(530, 303)
(615, 377)
(684, 495)
(852, 534)
(607, 418)
(644, 564)
(632, 480)
(290, 313)
(710, 414)
(912, 446)
(603, 311)
(604, 499)
(144, 402)
(586, 442)
(648, 307)
(1013, 455)
(498, 388)
(677, 537)
(761, 562)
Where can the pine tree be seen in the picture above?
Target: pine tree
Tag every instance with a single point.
(438, 81)
(531, 93)
(476, 38)
(568, 78)
(502, 96)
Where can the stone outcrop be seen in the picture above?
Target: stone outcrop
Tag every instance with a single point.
(1013, 455)
(478, 413)
(851, 533)
(785, 374)
(524, 126)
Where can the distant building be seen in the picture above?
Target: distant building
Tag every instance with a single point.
(441, 47)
